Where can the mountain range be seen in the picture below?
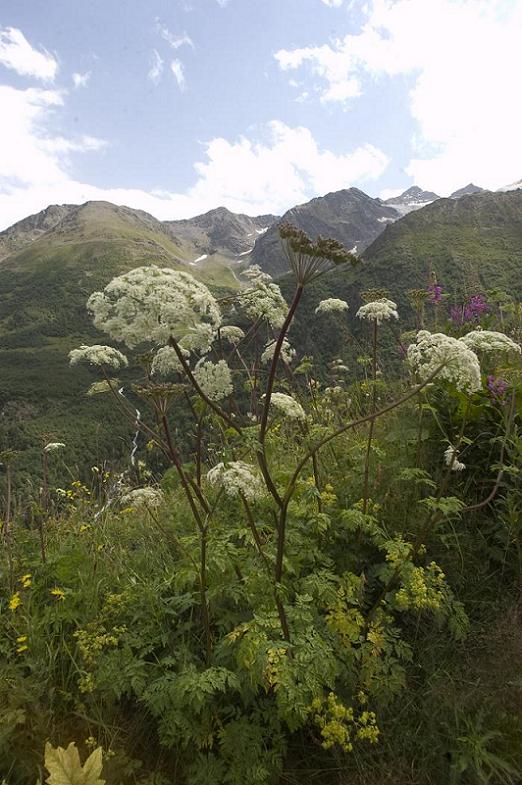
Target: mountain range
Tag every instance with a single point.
(50, 263)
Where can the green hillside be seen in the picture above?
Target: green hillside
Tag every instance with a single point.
(471, 243)
(45, 285)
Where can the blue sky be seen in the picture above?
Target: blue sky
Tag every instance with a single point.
(177, 106)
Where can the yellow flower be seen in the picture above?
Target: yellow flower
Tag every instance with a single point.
(21, 639)
(84, 527)
(58, 593)
(25, 580)
(15, 601)
(21, 649)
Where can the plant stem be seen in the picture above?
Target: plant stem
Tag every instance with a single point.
(372, 422)
(261, 456)
(217, 409)
(203, 592)
(273, 367)
(7, 523)
(350, 426)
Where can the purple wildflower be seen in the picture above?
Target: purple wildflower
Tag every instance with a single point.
(476, 307)
(434, 293)
(471, 311)
(497, 388)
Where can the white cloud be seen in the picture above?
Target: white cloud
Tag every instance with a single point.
(269, 174)
(327, 63)
(29, 156)
(81, 80)
(156, 67)
(389, 193)
(463, 57)
(173, 40)
(17, 53)
(177, 69)
(286, 169)
(333, 3)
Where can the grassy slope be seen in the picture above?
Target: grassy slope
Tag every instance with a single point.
(42, 316)
(473, 245)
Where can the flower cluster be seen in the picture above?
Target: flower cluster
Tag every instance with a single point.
(199, 338)
(490, 341)
(215, 379)
(143, 498)
(331, 304)
(237, 478)
(98, 355)
(265, 301)
(232, 334)
(101, 387)
(151, 304)
(472, 311)
(309, 258)
(255, 274)
(378, 311)
(288, 406)
(451, 459)
(286, 354)
(54, 446)
(166, 361)
(460, 365)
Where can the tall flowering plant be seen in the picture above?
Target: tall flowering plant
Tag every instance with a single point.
(284, 526)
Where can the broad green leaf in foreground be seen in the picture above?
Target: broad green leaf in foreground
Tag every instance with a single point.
(65, 768)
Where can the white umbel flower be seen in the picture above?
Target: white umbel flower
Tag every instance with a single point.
(255, 274)
(378, 311)
(265, 301)
(490, 342)
(151, 304)
(215, 379)
(98, 355)
(288, 406)
(237, 479)
(232, 334)
(143, 498)
(199, 339)
(286, 354)
(451, 459)
(461, 365)
(54, 446)
(166, 361)
(331, 305)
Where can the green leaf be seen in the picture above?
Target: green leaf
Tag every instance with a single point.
(65, 768)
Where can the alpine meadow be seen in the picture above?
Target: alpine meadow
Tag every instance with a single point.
(260, 435)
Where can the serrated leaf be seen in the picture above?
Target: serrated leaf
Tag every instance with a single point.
(65, 768)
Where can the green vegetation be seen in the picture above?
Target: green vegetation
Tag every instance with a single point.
(45, 285)
(308, 573)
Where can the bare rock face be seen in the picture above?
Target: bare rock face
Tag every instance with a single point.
(413, 198)
(221, 231)
(30, 229)
(468, 190)
(349, 216)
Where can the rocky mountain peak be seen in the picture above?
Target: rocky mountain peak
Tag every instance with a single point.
(468, 190)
